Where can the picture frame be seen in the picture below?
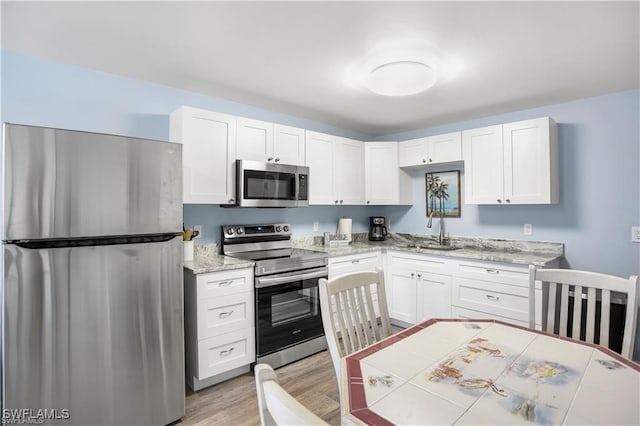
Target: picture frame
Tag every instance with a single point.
(443, 193)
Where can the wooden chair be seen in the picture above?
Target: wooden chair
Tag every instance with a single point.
(276, 405)
(559, 284)
(350, 306)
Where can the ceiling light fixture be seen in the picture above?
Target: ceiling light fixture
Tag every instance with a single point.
(401, 68)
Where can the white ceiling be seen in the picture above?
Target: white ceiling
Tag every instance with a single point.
(291, 57)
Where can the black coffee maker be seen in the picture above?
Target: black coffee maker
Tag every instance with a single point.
(377, 230)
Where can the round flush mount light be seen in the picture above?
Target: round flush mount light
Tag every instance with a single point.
(400, 78)
(401, 68)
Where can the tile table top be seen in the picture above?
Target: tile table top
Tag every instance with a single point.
(473, 372)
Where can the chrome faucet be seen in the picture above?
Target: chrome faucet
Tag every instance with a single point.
(441, 238)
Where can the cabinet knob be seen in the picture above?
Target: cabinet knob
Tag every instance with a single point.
(508, 200)
(499, 200)
(368, 202)
(419, 276)
(424, 161)
(341, 201)
(335, 202)
(270, 158)
(431, 160)
(231, 201)
(277, 159)
(413, 275)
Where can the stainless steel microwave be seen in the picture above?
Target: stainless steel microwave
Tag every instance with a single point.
(260, 184)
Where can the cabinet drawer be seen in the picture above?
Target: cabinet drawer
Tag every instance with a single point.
(225, 352)
(216, 284)
(494, 272)
(419, 262)
(462, 313)
(224, 314)
(354, 263)
(493, 298)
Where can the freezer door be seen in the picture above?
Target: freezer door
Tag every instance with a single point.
(68, 184)
(97, 331)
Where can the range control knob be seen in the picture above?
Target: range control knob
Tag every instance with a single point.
(229, 231)
(278, 228)
(239, 231)
(286, 228)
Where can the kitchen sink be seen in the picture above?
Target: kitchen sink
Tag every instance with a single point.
(430, 247)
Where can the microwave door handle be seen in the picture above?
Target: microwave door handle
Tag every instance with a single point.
(271, 281)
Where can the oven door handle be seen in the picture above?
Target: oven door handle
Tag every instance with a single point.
(271, 281)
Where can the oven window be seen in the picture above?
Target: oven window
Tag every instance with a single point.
(294, 305)
(262, 185)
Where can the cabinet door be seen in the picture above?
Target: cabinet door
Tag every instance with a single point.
(348, 160)
(208, 154)
(381, 172)
(401, 295)
(483, 165)
(319, 159)
(413, 152)
(434, 296)
(354, 263)
(527, 167)
(288, 145)
(254, 140)
(445, 148)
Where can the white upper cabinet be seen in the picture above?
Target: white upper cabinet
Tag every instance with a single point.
(349, 168)
(431, 150)
(319, 159)
(336, 169)
(208, 154)
(385, 182)
(514, 163)
(268, 142)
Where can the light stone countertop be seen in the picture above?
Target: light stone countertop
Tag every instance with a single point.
(519, 252)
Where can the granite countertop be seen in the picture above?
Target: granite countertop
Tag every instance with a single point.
(520, 252)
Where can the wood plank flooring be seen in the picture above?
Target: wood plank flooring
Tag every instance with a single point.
(311, 381)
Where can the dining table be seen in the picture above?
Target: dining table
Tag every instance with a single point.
(487, 372)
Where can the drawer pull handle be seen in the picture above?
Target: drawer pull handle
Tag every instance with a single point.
(227, 352)
(225, 314)
(224, 283)
(493, 298)
(492, 271)
(353, 262)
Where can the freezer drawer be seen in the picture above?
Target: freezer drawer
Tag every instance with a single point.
(95, 330)
(68, 184)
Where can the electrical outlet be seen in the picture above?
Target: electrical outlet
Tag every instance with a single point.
(528, 229)
(635, 234)
(199, 229)
(316, 226)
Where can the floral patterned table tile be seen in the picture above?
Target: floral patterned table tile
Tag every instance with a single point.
(377, 383)
(565, 352)
(411, 405)
(510, 407)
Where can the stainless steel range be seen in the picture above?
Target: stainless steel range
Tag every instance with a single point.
(287, 302)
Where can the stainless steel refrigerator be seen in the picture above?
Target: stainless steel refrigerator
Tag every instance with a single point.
(92, 293)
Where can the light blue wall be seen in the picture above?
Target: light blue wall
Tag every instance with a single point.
(599, 155)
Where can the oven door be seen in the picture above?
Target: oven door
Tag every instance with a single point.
(288, 309)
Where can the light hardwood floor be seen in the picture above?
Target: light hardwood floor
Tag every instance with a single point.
(311, 381)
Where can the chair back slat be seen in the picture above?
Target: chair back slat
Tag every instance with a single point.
(564, 309)
(598, 288)
(349, 313)
(604, 317)
(551, 312)
(577, 311)
(591, 315)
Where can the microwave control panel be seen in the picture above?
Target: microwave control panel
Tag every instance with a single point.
(303, 184)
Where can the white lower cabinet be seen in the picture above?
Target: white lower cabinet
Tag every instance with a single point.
(418, 287)
(361, 262)
(219, 326)
(491, 290)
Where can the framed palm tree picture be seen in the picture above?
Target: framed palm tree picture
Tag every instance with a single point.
(443, 193)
